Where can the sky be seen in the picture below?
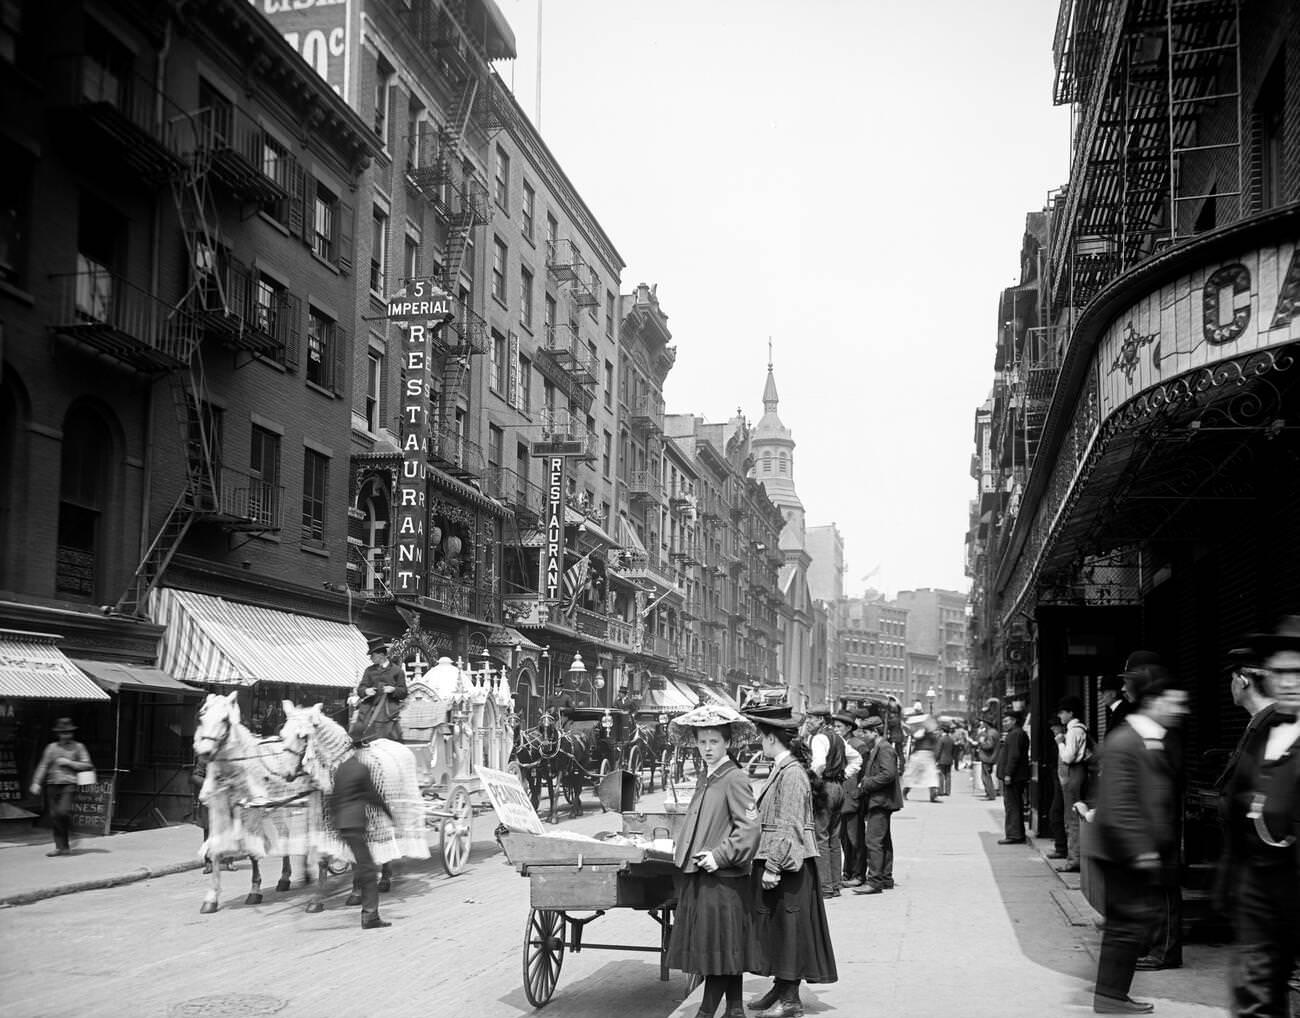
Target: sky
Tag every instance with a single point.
(847, 177)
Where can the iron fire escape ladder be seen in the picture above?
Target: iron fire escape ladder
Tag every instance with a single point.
(158, 556)
(1193, 57)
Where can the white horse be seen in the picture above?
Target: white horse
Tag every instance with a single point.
(260, 799)
(322, 744)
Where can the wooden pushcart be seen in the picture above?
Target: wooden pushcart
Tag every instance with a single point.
(568, 876)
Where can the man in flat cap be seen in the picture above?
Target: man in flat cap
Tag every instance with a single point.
(881, 799)
(852, 831)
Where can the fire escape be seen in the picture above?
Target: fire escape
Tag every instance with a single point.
(1158, 151)
(127, 122)
(443, 173)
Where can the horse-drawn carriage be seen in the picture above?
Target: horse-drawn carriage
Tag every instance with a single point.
(267, 797)
(579, 746)
(454, 720)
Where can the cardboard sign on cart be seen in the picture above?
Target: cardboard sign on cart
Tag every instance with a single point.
(513, 807)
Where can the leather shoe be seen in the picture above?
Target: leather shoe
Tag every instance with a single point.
(782, 1009)
(869, 889)
(766, 1000)
(374, 923)
(1011, 841)
(59, 851)
(855, 882)
(1149, 964)
(353, 899)
(1102, 1004)
(1069, 868)
(1054, 854)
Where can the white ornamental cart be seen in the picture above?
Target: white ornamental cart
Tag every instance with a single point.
(454, 720)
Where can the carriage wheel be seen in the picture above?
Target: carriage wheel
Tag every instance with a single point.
(457, 831)
(634, 765)
(543, 954)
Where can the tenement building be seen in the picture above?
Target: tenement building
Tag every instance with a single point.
(177, 268)
(1138, 459)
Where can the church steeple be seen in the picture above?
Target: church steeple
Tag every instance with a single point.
(770, 398)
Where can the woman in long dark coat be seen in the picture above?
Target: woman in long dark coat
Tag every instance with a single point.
(793, 940)
(712, 934)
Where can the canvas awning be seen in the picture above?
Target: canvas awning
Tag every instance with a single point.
(627, 538)
(33, 668)
(114, 677)
(672, 699)
(211, 640)
(711, 695)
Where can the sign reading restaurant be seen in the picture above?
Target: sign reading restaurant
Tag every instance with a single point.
(553, 529)
(422, 299)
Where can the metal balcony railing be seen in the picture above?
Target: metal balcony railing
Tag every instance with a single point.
(648, 414)
(124, 112)
(459, 455)
(645, 484)
(462, 598)
(230, 143)
(565, 347)
(105, 313)
(243, 501)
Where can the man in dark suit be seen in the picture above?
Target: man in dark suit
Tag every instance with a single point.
(944, 757)
(852, 830)
(1261, 803)
(1013, 770)
(881, 799)
(379, 695)
(354, 790)
(1137, 818)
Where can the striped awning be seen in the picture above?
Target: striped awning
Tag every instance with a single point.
(211, 640)
(33, 668)
(711, 695)
(672, 699)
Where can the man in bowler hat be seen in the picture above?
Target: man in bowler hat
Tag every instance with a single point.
(1261, 803)
(354, 790)
(379, 694)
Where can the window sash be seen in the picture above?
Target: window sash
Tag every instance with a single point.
(315, 483)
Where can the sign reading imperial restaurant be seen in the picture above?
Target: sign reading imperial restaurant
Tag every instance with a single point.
(553, 529)
(424, 308)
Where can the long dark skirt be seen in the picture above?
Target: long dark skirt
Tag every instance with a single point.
(712, 931)
(792, 938)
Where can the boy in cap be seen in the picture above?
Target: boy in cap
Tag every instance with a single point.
(833, 760)
(881, 799)
(851, 822)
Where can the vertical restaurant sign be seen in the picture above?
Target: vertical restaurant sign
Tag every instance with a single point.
(553, 546)
(321, 32)
(410, 513)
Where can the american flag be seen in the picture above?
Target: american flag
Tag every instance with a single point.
(577, 578)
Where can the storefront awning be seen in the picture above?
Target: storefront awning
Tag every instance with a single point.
(627, 539)
(115, 677)
(33, 668)
(211, 640)
(711, 695)
(672, 699)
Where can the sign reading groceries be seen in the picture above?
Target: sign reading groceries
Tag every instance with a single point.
(513, 806)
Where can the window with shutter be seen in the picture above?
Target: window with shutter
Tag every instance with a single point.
(513, 360)
(344, 237)
(297, 202)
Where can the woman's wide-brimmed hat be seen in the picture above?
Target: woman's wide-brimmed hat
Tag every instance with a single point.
(64, 725)
(712, 715)
(1285, 637)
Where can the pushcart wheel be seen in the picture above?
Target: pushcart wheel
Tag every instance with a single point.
(543, 954)
(634, 768)
(457, 831)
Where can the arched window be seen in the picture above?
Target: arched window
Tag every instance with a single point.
(767, 462)
(373, 501)
(83, 497)
(785, 463)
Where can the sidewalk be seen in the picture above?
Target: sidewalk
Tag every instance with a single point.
(27, 874)
(979, 929)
